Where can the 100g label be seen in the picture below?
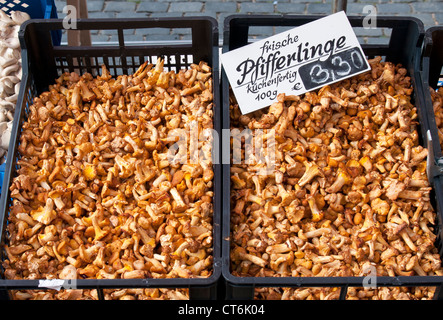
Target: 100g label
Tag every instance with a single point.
(270, 94)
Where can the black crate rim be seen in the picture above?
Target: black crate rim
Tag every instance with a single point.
(287, 20)
(428, 57)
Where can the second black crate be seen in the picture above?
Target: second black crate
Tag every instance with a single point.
(403, 47)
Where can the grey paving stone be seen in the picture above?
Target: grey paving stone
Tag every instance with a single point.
(101, 15)
(291, 8)
(159, 31)
(387, 32)
(319, 8)
(59, 5)
(205, 14)
(359, 8)
(186, 37)
(439, 18)
(185, 7)
(426, 18)
(369, 32)
(95, 32)
(64, 38)
(309, 1)
(141, 1)
(162, 37)
(165, 14)
(398, 8)
(182, 31)
(274, 1)
(282, 29)
(95, 5)
(153, 6)
(395, 1)
(120, 6)
(377, 40)
(129, 15)
(267, 31)
(430, 12)
(424, 7)
(113, 38)
(111, 32)
(251, 7)
(134, 38)
(220, 7)
(197, 14)
(100, 38)
(373, 1)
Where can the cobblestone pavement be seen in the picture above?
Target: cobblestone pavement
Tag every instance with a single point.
(430, 12)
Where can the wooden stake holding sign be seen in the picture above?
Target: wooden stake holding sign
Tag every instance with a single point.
(293, 62)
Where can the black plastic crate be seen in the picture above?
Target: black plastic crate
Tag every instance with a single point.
(43, 62)
(431, 65)
(404, 47)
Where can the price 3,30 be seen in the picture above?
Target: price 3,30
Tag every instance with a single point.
(336, 67)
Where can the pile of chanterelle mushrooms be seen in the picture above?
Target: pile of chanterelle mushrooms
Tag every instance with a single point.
(108, 294)
(105, 188)
(353, 293)
(349, 193)
(10, 72)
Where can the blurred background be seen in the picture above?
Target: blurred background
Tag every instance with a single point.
(430, 12)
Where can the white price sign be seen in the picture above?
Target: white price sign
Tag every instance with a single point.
(293, 62)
